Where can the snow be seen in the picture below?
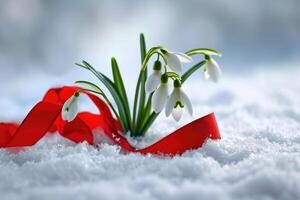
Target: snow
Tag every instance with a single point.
(257, 158)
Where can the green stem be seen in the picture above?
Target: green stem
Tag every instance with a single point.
(142, 95)
(204, 51)
(148, 123)
(146, 112)
(113, 90)
(137, 89)
(189, 72)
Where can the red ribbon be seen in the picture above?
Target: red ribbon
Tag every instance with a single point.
(46, 117)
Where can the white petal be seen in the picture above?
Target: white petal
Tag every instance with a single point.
(184, 58)
(214, 70)
(187, 103)
(73, 111)
(206, 75)
(70, 109)
(177, 113)
(153, 81)
(174, 62)
(65, 115)
(171, 103)
(64, 112)
(160, 97)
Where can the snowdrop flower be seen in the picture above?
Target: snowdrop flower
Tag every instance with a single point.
(160, 95)
(154, 79)
(177, 102)
(212, 69)
(70, 108)
(174, 60)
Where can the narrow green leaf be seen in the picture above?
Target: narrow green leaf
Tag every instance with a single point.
(143, 81)
(142, 98)
(120, 87)
(118, 99)
(189, 72)
(148, 123)
(99, 91)
(92, 85)
(143, 47)
(204, 51)
(152, 51)
(148, 105)
(81, 65)
(112, 89)
(137, 89)
(146, 112)
(105, 98)
(118, 78)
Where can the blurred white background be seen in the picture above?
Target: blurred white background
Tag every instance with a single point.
(41, 40)
(257, 102)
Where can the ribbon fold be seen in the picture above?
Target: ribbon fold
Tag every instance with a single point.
(45, 117)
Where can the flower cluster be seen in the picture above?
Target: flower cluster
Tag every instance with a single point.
(178, 100)
(151, 92)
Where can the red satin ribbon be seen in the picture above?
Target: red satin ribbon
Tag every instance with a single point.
(46, 117)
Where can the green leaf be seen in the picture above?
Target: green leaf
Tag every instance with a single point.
(143, 81)
(105, 98)
(137, 90)
(189, 72)
(113, 90)
(99, 92)
(118, 100)
(204, 51)
(92, 85)
(146, 112)
(143, 47)
(152, 51)
(148, 123)
(120, 87)
(118, 79)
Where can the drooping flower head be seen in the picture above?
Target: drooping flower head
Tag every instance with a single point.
(70, 108)
(174, 60)
(178, 102)
(160, 95)
(154, 79)
(212, 69)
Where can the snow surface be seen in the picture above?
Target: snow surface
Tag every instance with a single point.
(257, 158)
